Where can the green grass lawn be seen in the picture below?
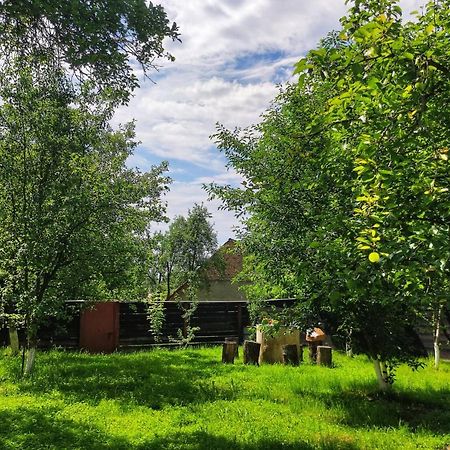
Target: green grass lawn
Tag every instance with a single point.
(188, 399)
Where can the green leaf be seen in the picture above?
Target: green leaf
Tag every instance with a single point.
(357, 69)
(300, 66)
(301, 81)
(372, 82)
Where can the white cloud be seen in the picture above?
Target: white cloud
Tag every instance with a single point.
(182, 197)
(233, 52)
(175, 119)
(213, 31)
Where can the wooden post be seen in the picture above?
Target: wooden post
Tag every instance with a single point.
(324, 355)
(290, 355)
(228, 352)
(251, 352)
(235, 341)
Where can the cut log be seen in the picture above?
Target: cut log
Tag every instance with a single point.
(233, 340)
(324, 355)
(290, 355)
(251, 352)
(229, 352)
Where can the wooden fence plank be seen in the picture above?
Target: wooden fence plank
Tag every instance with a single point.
(217, 320)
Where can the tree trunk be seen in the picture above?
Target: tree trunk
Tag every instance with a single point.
(229, 352)
(348, 350)
(251, 352)
(30, 355)
(168, 282)
(29, 362)
(348, 345)
(382, 381)
(13, 340)
(437, 336)
(324, 356)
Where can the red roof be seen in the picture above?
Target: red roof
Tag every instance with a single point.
(228, 266)
(231, 265)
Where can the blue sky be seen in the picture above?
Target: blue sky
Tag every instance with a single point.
(232, 56)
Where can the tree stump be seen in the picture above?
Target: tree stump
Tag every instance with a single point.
(229, 352)
(233, 340)
(251, 352)
(324, 355)
(290, 355)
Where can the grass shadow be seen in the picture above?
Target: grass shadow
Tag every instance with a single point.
(27, 428)
(201, 440)
(153, 379)
(36, 429)
(364, 406)
(161, 378)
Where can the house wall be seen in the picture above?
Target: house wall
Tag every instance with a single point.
(221, 290)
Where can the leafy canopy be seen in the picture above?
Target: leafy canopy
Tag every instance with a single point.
(100, 40)
(347, 179)
(179, 255)
(70, 209)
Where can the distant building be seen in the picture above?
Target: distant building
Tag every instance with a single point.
(224, 265)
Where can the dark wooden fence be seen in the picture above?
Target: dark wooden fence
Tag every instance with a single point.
(215, 322)
(62, 332)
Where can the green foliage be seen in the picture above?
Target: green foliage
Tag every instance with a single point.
(182, 398)
(70, 209)
(176, 263)
(186, 335)
(156, 315)
(347, 180)
(396, 114)
(97, 40)
(178, 255)
(270, 327)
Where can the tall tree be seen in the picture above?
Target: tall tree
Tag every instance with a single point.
(70, 209)
(182, 251)
(64, 67)
(395, 103)
(347, 180)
